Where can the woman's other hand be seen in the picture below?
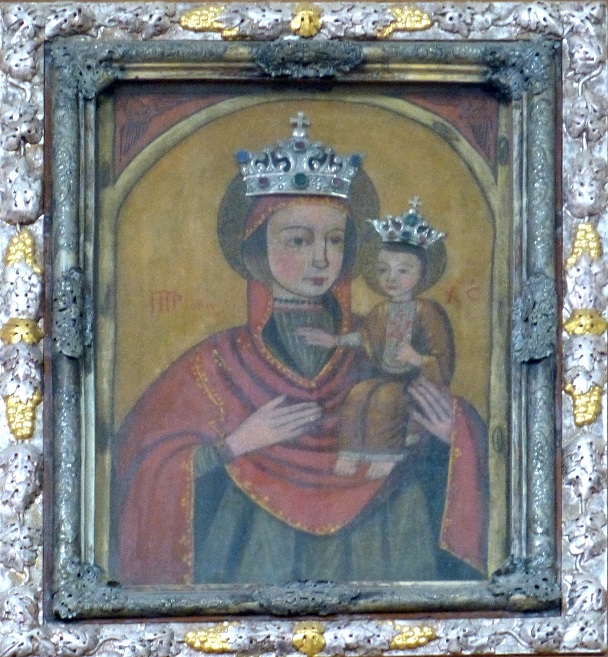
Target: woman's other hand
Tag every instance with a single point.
(273, 423)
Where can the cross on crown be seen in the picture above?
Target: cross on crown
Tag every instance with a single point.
(300, 123)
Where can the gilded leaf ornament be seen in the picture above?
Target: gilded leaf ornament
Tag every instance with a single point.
(207, 19)
(21, 359)
(411, 637)
(213, 640)
(585, 322)
(307, 20)
(586, 404)
(587, 240)
(406, 19)
(308, 638)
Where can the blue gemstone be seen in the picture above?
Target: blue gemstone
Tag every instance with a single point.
(242, 157)
(356, 160)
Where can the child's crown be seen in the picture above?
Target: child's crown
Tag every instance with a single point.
(407, 228)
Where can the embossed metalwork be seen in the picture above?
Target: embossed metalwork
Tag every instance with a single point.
(308, 638)
(405, 19)
(518, 578)
(534, 319)
(301, 598)
(68, 314)
(83, 583)
(521, 70)
(581, 27)
(310, 60)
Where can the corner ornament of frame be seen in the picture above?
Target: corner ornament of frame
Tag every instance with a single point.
(207, 19)
(407, 19)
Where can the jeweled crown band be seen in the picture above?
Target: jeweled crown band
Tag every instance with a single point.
(298, 166)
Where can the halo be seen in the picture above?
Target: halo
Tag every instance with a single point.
(368, 262)
(235, 206)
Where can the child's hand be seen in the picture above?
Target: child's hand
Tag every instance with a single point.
(345, 467)
(380, 469)
(317, 337)
(406, 354)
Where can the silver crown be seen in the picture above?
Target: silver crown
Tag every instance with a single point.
(298, 166)
(408, 228)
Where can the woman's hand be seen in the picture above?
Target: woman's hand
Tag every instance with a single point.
(271, 424)
(317, 337)
(436, 408)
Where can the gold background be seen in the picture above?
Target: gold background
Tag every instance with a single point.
(167, 234)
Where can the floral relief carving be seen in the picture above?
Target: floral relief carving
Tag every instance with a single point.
(25, 28)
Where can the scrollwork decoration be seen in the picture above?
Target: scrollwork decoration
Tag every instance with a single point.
(524, 70)
(534, 319)
(81, 581)
(314, 60)
(515, 579)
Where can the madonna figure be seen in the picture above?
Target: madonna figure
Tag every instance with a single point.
(224, 471)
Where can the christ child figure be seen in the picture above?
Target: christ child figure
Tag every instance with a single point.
(405, 336)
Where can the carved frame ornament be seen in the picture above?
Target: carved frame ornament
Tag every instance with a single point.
(304, 41)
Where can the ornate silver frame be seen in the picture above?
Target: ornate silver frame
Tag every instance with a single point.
(108, 44)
